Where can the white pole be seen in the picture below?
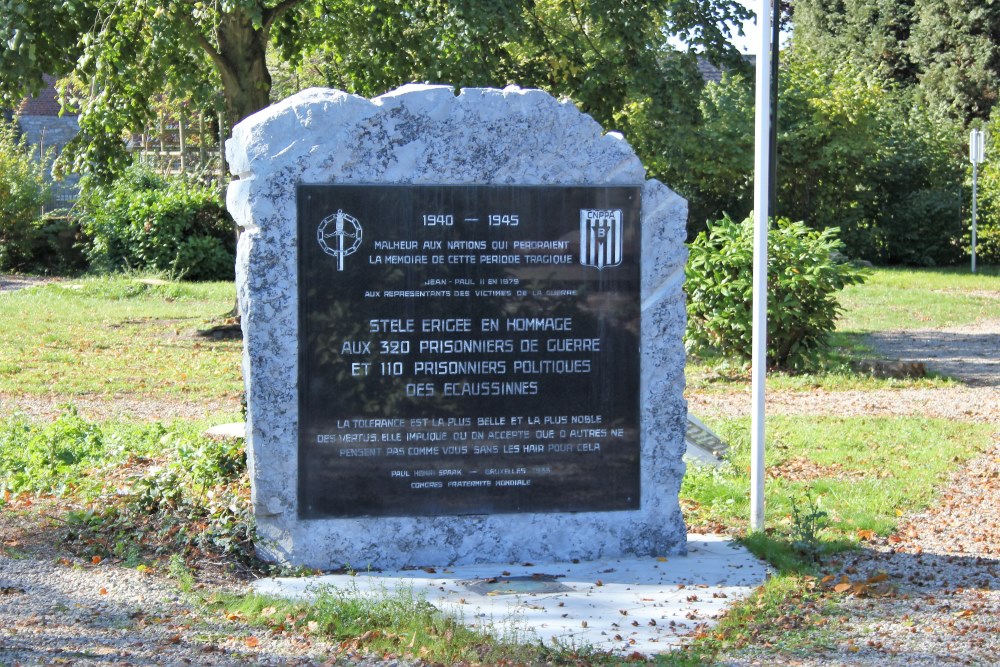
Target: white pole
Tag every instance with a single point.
(762, 139)
(975, 177)
(977, 151)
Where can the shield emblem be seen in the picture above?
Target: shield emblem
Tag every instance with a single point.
(600, 237)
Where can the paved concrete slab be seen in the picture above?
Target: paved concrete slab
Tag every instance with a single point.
(644, 605)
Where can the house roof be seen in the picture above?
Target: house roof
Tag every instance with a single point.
(711, 73)
(46, 103)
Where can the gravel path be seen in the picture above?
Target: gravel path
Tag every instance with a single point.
(971, 353)
(121, 407)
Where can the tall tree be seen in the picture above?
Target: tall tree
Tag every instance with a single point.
(957, 44)
(948, 49)
(872, 34)
(603, 53)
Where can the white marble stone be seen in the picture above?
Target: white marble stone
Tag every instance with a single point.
(424, 134)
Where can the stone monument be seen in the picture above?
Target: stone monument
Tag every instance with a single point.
(462, 318)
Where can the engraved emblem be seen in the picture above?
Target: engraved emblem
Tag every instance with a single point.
(339, 235)
(600, 237)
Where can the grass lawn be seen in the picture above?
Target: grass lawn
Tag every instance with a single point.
(864, 472)
(894, 299)
(113, 336)
(891, 299)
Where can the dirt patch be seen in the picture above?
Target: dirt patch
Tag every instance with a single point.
(12, 283)
(120, 407)
(804, 470)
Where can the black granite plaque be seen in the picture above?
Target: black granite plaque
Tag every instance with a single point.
(468, 349)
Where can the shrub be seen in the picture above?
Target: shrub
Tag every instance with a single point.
(803, 278)
(987, 244)
(147, 221)
(22, 193)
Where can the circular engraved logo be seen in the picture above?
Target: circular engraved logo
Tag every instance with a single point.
(339, 235)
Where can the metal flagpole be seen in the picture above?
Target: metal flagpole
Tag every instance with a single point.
(762, 140)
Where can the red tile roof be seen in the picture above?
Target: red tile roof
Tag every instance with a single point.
(46, 103)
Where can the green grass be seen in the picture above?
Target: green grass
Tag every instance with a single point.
(864, 472)
(117, 336)
(894, 299)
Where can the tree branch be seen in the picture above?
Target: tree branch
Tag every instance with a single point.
(201, 39)
(274, 13)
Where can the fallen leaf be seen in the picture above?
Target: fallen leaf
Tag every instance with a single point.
(251, 641)
(103, 591)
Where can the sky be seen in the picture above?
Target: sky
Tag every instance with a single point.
(748, 42)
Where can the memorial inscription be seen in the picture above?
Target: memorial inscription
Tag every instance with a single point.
(468, 349)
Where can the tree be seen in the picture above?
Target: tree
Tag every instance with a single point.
(603, 53)
(957, 44)
(853, 153)
(948, 49)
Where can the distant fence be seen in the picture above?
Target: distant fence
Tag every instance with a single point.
(190, 145)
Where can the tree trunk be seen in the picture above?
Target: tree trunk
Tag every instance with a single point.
(246, 83)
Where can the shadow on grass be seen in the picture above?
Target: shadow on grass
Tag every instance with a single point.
(972, 357)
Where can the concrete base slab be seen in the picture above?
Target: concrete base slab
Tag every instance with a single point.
(644, 605)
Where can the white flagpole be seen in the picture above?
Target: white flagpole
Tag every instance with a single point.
(762, 139)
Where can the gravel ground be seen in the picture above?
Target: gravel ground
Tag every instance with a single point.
(59, 609)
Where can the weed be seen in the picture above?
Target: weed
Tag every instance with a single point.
(806, 527)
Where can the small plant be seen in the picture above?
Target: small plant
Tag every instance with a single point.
(804, 275)
(48, 458)
(807, 524)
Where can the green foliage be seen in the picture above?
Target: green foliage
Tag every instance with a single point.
(987, 244)
(48, 458)
(947, 50)
(803, 279)
(22, 193)
(988, 196)
(714, 163)
(807, 524)
(195, 499)
(145, 221)
(605, 54)
(852, 153)
(874, 163)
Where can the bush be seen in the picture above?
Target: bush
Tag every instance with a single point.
(22, 195)
(147, 221)
(987, 244)
(803, 278)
